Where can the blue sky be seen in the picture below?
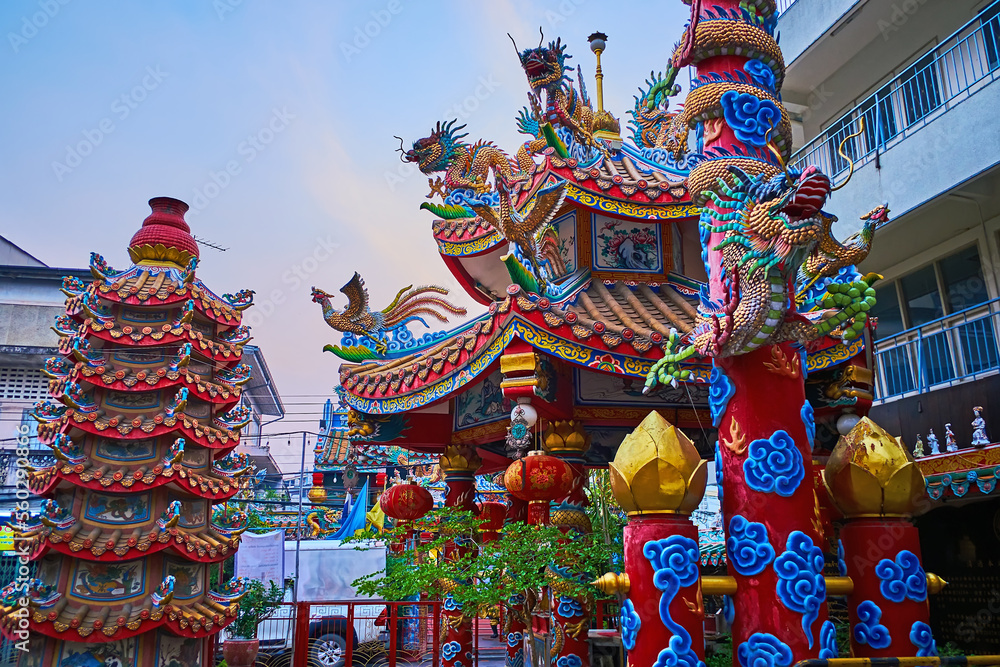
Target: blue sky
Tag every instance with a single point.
(275, 120)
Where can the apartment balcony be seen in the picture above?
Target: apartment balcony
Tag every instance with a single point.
(923, 133)
(805, 22)
(957, 348)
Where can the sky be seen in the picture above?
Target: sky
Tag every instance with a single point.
(275, 122)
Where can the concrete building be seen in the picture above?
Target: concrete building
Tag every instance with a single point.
(909, 88)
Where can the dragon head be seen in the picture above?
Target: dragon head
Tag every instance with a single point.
(544, 65)
(434, 153)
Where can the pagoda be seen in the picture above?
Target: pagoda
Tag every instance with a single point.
(145, 414)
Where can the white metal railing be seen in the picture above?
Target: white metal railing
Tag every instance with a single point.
(784, 5)
(948, 350)
(960, 66)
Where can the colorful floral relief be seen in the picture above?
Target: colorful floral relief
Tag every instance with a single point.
(187, 578)
(118, 509)
(625, 245)
(606, 363)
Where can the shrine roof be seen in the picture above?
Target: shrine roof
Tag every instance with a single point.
(613, 326)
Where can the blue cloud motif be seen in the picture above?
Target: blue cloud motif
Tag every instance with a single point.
(514, 639)
(450, 650)
(801, 585)
(828, 641)
(450, 604)
(774, 465)
(841, 561)
(718, 469)
(761, 74)
(630, 624)
(902, 579)
(747, 546)
(516, 599)
(571, 660)
(749, 116)
(720, 390)
(868, 630)
(921, 637)
(809, 420)
(675, 565)
(569, 607)
(728, 609)
(762, 649)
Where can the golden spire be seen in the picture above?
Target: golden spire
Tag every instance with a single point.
(657, 469)
(606, 127)
(871, 473)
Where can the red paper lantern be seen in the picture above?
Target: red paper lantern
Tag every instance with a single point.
(380, 479)
(406, 502)
(492, 516)
(317, 479)
(538, 476)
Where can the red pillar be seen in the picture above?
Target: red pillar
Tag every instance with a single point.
(875, 482)
(517, 510)
(458, 466)
(567, 441)
(769, 507)
(658, 478)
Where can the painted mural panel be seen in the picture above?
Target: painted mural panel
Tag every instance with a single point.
(118, 509)
(189, 578)
(559, 246)
(139, 357)
(178, 651)
(126, 450)
(109, 581)
(482, 403)
(604, 389)
(119, 652)
(136, 315)
(195, 457)
(193, 514)
(130, 400)
(197, 408)
(626, 245)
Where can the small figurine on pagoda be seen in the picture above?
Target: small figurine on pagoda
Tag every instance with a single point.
(949, 438)
(979, 438)
(149, 377)
(918, 447)
(932, 440)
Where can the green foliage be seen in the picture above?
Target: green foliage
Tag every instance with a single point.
(607, 519)
(950, 649)
(256, 605)
(843, 638)
(722, 656)
(491, 572)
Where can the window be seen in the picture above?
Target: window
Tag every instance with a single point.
(919, 84)
(962, 278)
(890, 317)
(990, 20)
(880, 119)
(921, 296)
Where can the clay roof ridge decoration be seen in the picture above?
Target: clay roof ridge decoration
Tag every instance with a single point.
(164, 236)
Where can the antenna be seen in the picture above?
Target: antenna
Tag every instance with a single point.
(208, 243)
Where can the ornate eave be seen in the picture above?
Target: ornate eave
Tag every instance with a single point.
(610, 326)
(955, 474)
(113, 332)
(113, 543)
(132, 478)
(198, 617)
(142, 426)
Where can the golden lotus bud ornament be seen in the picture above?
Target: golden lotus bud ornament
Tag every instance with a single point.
(871, 473)
(657, 469)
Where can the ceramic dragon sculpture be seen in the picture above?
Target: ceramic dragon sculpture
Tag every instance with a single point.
(466, 167)
(554, 101)
(359, 319)
(761, 220)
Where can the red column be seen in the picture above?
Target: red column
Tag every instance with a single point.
(567, 441)
(888, 608)
(517, 510)
(458, 467)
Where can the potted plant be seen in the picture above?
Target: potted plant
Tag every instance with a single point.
(258, 603)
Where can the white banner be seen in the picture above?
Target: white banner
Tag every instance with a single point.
(262, 557)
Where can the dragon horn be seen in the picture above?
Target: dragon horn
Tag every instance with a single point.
(542, 38)
(515, 45)
(402, 151)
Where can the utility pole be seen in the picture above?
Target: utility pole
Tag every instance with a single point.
(298, 528)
